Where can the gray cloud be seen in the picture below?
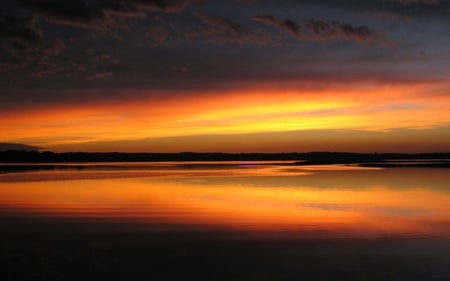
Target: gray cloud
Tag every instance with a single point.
(364, 4)
(165, 5)
(324, 29)
(55, 47)
(4, 146)
(75, 13)
(158, 35)
(405, 9)
(410, 2)
(222, 29)
(136, 63)
(286, 25)
(248, 1)
(99, 75)
(99, 15)
(321, 29)
(21, 30)
(24, 43)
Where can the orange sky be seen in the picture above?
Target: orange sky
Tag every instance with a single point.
(263, 117)
(231, 76)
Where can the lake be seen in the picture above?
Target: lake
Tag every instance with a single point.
(223, 221)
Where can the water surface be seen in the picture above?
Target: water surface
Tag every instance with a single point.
(243, 220)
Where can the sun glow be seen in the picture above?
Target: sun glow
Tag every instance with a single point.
(372, 108)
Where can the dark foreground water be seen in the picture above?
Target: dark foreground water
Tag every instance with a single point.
(223, 221)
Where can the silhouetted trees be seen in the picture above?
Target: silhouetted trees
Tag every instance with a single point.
(309, 158)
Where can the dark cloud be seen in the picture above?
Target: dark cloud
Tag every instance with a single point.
(24, 43)
(165, 5)
(403, 8)
(99, 75)
(221, 29)
(55, 47)
(100, 15)
(286, 25)
(363, 4)
(157, 35)
(323, 29)
(387, 16)
(359, 33)
(20, 39)
(410, 2)
(75, 13)
(50, 38)
(248, 1)
(4, 146)
(22, 30)
(161, 33)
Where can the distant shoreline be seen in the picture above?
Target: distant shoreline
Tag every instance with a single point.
(384, 164)
(384, 160)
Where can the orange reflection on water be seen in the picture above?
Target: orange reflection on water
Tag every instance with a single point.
(374, 210)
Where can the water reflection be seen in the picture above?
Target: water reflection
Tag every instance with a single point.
(339, 200)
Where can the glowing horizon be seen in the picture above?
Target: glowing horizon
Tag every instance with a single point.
(378, 109)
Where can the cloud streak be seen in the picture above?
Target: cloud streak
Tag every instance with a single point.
(321, 29)
(286, 25)
(99, 15)
(21, 30)
(99, 75)
(411, 2)
(324, 29)
(221, 29)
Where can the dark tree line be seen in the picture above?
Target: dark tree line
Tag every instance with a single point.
(308, 158)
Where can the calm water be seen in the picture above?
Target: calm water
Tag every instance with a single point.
(223, 221)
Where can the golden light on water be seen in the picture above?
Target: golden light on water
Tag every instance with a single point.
(216, 203)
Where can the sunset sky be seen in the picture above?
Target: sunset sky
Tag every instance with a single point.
(232, 76)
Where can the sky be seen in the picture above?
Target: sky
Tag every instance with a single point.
(231, 76)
